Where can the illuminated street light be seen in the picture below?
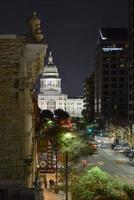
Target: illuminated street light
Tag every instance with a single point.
(67, 137)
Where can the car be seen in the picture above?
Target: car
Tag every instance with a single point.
(126, 152)
(60, 167)
(131, 155)
(93, 144)
(113, 145)
(103, 145)
(118, 147)
(125, 147)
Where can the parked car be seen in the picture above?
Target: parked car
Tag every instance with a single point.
(103, 145)
(118, 147)
(60, 167)
(94, 144)
(126, 152)
(126, 147)
(131, 155)
(113, 145)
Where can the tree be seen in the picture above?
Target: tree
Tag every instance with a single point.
(61, 114)
(121, 132)
(46, 114)
(74, 144)
(95, 184)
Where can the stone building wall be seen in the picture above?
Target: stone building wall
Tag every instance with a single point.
(20, 65)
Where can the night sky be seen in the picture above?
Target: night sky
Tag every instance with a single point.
(70, 28)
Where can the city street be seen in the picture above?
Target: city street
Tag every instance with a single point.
(114, 163)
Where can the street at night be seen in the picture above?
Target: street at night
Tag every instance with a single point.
(117, 165)
(67, 100)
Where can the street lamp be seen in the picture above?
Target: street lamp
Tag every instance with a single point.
(71, 143)
(67, 137)
(66, 172)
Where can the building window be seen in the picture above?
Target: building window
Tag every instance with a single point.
(113, 86)
(107, 59)
(105, 65)
(106, 92)
(105, 79)
(122, 72)
(122, 65)
(78, 103)
(106, 99)
(113, 93)
(106, 72)
(113, 65)
(105, 86)
(122, 59)
(122, 79)
(123, 86)
(114, 79)
(114, 59)
(113, 72)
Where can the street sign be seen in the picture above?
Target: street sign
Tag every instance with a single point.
(46, 161)
(43, 164)
(47, 170)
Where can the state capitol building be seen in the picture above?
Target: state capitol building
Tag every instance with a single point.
(50, 96)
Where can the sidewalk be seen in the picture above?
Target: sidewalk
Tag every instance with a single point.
(50, 195)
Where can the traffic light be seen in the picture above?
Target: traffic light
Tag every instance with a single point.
(89, 130)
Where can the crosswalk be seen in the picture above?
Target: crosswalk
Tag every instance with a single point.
(128, 179)
(123, 176)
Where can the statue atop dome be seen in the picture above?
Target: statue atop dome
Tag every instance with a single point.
(50, 58)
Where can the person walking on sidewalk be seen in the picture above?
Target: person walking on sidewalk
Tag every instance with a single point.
(45, 184)
(50, 183)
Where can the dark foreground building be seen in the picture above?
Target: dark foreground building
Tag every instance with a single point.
(21, 62)
(15, 191)
(131, 61)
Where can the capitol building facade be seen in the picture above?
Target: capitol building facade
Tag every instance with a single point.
(50, 96)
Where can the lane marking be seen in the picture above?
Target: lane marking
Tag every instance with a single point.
(130, 176)
(123, 176)
(115, 175)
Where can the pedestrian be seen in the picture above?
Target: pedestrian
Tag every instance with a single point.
(45, 184)
(50, 183)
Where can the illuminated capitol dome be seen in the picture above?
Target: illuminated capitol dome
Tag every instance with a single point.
(51, 97)
(50, 70)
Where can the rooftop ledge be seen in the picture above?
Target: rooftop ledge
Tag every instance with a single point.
(11, 36)
(7, 36)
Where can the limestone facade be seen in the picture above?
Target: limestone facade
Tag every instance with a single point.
(20, 64)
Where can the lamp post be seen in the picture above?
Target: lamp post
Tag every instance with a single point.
(67, 138)
(66, 168)
(56, 178)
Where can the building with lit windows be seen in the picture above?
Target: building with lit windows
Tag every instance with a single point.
(111, 74)
(88, 95)
(51, 97)
(131, 61)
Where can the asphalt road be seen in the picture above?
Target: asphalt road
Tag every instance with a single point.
(114, 163)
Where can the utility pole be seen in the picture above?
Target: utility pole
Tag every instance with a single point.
(66, 167)
(56, 178)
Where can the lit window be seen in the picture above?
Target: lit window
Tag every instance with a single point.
(122, 65)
